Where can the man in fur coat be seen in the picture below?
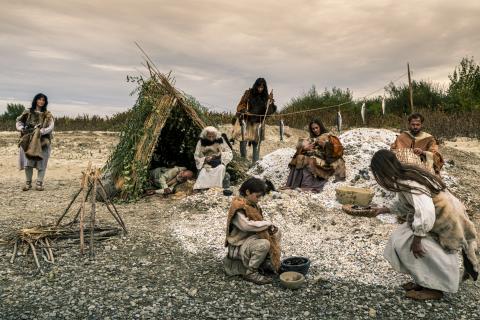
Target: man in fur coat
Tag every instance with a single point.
(423, 144)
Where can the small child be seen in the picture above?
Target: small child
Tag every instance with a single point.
(253, 243)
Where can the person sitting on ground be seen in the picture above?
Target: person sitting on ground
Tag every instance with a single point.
(423, 144)
(212, 155)
(317, 158)
(436, 228)
(253, 244)
(166, 179)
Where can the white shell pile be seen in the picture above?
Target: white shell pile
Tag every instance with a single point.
(360, 145)
(312, 225)
(339, 246)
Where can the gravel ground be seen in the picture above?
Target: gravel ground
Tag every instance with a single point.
(169, 265)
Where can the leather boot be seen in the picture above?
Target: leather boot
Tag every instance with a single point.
(243, 149)
(39, 186)
(254, 276)
(27, 186)
(256, 152)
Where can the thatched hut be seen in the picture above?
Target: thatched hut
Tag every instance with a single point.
(162, 130)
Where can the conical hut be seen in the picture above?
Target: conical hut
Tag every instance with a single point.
(162, 130)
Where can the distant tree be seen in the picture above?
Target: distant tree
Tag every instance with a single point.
(13, 111)
(313, 99)
(464, 89)
(426, 95)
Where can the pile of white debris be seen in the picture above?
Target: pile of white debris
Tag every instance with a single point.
(313, 225)
(360, 145)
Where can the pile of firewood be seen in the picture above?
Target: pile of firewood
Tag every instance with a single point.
(42, 237)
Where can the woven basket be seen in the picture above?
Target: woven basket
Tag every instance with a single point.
(407, 156)
(359, 211)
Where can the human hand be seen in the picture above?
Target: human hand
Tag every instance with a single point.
(308, 147)
(272, 229)
(418, 151)
(417, 248)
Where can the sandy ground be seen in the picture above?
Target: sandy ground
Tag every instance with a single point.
(149, 274)
(468, 145)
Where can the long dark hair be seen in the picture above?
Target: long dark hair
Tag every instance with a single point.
(254, 90)
(34, 102)
(392, 175)
(253, 185)
(320, 124)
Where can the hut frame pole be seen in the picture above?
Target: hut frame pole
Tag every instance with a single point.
(410, 89)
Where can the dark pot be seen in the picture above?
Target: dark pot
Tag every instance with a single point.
(297, 264)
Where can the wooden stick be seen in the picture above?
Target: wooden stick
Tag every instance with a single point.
(107, 201)
(46, 258)
(92, 213)
(34, 251)
(50, 250)
(82, 212)
(410, 89)
(25, 251)
(15, 248)
(68, 207)
(45, 251)
(79, 209)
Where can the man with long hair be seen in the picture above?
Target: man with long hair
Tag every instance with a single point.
(317, 158)
(255, 104)
(421, 143)
(436, 227)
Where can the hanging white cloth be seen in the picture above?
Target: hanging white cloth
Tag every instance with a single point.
(362, 112)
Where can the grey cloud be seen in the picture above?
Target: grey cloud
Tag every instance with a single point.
(216, 49)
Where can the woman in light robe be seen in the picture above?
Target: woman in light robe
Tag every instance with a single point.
(212, 156)
(436, 228)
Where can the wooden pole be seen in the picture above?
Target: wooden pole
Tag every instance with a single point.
(92, 213)
(68, 207)
(410, 89)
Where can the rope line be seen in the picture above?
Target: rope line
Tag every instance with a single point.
(314, 109)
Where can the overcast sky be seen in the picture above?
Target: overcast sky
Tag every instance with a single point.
(80, 52)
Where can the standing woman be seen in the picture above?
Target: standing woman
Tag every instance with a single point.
(36, 127)
(436, 228)
(254, 105)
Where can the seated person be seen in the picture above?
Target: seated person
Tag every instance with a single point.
(317, 158)
(212, 155)
(253, 244)
(166, 179)
(423, 145)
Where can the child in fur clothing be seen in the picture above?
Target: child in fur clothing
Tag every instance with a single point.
(253, 244)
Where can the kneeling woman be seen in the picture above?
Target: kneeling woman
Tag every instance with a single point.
(317, 158)
(436, 228)
(212, 155)
(253, 243)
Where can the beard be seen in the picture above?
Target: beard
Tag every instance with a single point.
(415, 131)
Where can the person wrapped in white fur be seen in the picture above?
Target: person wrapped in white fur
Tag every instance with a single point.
(212, 155)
